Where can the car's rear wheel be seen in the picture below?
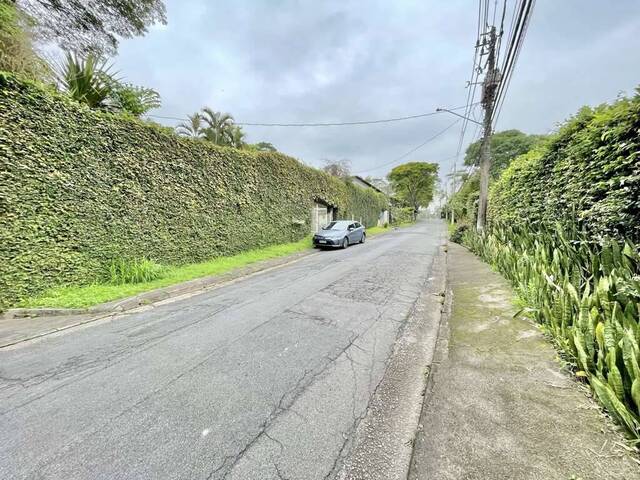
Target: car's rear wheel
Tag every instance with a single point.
(345, 242)
(364, 237)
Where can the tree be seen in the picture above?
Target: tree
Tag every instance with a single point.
(414, 183)
(17, 52)
(505, 146)
(236, 137)
(264, 147)
(219, 126)
(93, 25)
(337, 168)
(193, 127)
(381, 184)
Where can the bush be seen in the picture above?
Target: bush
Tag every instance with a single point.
(457, 235)
(80, 188)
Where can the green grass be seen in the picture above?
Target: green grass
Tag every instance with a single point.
(88, 295)
(377, 230)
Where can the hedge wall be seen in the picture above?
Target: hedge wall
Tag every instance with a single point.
(80, 188)
(588, 173)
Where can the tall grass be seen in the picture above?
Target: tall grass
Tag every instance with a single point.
(587, 295)
(134, 271)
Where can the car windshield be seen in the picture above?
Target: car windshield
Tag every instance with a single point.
(340, 225)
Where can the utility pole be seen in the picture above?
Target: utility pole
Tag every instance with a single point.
(491, 80)
(453, 193)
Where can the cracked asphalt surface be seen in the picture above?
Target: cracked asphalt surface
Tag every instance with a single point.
(265, 378)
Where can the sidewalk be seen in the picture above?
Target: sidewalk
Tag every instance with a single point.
(498, 406)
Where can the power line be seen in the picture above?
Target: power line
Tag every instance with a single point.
(323, 124)
(515, 46)
(410, 151)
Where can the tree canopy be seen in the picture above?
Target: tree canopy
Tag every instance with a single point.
(505, 146)
(92, 25)
(337, 168)
(414, 182)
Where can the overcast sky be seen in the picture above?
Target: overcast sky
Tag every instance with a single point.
(332, 61)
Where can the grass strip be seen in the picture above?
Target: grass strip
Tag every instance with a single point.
(82, 296)
(89, 295)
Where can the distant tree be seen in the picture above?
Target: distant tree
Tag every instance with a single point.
(380, 183)
(92, 25)
(235, 137)
(193, 127)
(415, 183)
(505, 146)
(263, 147)
(337, 168)
(219, 126)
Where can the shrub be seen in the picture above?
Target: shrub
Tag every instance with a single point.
(458, 232)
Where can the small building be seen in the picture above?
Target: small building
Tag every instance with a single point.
(384, 217)
(322, 214)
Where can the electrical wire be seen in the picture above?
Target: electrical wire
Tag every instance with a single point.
(418, 147)
(327, 124)
(513, 52)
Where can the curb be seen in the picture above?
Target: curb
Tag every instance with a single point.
(383, 444)
(189, 287)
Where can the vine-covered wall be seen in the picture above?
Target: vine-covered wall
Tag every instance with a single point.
(80, 188)
(588, 174)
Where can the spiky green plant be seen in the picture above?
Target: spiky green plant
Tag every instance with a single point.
(87, 79)
(587, 296)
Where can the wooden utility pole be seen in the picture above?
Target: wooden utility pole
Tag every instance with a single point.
(491, 80)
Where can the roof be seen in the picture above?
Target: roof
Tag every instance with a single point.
(369, 184)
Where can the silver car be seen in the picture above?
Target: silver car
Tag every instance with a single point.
(340, 233)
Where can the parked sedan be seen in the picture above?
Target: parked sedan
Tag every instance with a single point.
(340, 233)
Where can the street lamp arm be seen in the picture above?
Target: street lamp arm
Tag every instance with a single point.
(457, 115)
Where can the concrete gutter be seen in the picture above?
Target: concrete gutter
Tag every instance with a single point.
(383, 444)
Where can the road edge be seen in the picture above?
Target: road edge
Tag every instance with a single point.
(382, 446)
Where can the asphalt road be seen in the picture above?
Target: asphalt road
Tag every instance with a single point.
(264, 378)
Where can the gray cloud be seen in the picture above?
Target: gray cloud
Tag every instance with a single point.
(306, 61)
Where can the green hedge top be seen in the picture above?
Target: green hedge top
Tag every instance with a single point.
(589, 171)
(80, 188)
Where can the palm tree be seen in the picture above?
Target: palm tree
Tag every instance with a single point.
(236, 137)
(219, 126)
(192, 128)
(86, 79)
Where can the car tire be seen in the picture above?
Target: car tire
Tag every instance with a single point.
(345, 243)
(364, 237)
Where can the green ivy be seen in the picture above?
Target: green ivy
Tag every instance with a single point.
(588, 174)
(80, 188)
